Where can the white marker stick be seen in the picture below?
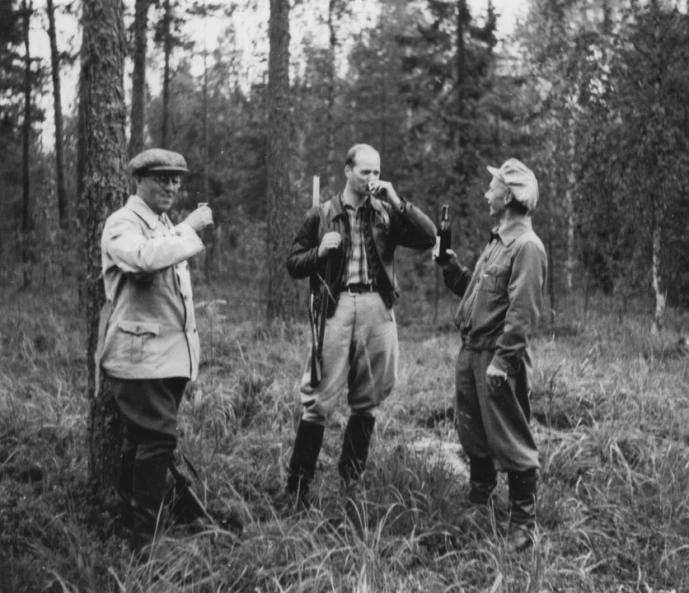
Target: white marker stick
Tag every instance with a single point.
(316, 200)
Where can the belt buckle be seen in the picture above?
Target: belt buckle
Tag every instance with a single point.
(349, 291)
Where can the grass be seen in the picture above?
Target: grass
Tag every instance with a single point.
(609, 410)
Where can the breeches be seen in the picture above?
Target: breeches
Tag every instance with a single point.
(149, 413)
(360, 356)
(494, 423)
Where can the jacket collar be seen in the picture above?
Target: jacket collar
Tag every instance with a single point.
(143, 211)
(513, 229)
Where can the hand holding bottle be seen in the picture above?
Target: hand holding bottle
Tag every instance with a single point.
(444, 238)
(200, 218)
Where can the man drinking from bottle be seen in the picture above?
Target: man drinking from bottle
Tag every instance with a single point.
(357, 232)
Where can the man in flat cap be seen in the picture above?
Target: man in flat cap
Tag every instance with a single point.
(500, 307)
(150, 346)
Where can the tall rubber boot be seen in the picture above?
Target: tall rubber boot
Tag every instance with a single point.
(482, 480)
(125, 472)
(357, 440)
(352, 463)
(149, 488)
(302, 464)
(523, 490)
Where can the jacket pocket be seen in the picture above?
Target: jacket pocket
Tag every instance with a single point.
(495, 279)
(138, 332)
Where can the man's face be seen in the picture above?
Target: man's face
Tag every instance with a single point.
(366, 168)
(158, 190)
(495, 196)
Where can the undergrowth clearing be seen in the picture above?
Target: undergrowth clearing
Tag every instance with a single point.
(610, 413)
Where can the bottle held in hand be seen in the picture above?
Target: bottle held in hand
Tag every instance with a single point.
(444, 237)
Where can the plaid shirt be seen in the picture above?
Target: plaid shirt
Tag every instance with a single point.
(357, 264)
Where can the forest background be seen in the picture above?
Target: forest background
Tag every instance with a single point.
(591, 94)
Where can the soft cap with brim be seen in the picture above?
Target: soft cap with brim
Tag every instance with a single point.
(158, 160)
(521, 181)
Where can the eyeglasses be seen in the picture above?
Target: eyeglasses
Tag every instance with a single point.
(163, 180)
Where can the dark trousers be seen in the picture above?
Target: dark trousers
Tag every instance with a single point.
(495, 423)
(149, 414)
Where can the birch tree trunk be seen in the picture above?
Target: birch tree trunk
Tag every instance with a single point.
(570, 261)
(656, 259)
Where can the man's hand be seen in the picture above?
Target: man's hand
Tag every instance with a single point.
(494, 377)
(383, 190)
(330, 241)
(450, 262)
(200, 218)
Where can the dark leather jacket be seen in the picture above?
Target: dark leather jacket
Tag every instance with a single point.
(386, 227)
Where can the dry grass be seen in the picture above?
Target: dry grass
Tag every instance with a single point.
(610, 411)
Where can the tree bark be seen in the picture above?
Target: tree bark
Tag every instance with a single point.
(282, 292)
(62, 204)
(167, 50)
(103, 117)
(571, 261)
(136, 136)
(27, 206)
(656, 238)
(329, 180)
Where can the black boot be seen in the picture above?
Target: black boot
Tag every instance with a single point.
(149, 488)
(357, 439)
(482, 480)
(352, 463)
(523, 488)
(302, 464)
(125, 473)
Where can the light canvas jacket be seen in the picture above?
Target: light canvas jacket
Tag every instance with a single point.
(149, 331)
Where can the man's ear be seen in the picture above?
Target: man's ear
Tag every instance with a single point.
(509, 197)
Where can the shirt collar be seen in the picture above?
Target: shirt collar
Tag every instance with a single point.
(362, 206)
(143, 210)
(512, 230)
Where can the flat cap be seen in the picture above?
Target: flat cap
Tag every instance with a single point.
(158, 160)
(521, 181)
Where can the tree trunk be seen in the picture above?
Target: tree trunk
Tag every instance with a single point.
(62, 205)
(103, 115)
(27, 206)
(330, 115)
(282, 292)
(569, 208)
(167, 50)
(660, 299)
(136, 136)
(462, 24)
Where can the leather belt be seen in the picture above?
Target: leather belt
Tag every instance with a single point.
(360, 288)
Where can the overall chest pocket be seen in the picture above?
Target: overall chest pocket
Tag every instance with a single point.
(495, 279)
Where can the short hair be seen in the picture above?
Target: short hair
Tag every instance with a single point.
(354, 150)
